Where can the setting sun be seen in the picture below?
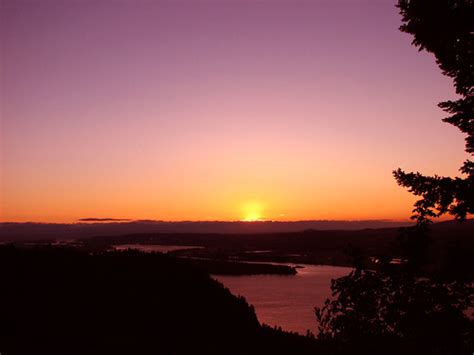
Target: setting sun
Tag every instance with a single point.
(252, 211)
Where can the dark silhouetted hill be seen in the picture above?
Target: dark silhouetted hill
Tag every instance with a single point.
(63, 301)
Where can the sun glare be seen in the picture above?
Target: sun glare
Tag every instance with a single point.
(252, 211)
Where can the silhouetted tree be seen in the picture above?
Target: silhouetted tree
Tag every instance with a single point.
(392, 312)
(446, 29)
(394, 309)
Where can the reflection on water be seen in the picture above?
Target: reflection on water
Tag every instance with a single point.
(148, 248)
(287, 301)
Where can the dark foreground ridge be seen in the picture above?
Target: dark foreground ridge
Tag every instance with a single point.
(58, 301)
(63, 301)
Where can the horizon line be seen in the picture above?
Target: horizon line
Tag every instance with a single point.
(127, 221)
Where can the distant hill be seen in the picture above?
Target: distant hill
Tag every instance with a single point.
(34, 231)
(452, 243)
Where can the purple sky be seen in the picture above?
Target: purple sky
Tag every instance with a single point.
(215, 110)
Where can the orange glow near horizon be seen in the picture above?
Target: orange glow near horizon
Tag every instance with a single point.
(208, 110)
(252, 211)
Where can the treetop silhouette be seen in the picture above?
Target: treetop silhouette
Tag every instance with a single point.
(446, 29)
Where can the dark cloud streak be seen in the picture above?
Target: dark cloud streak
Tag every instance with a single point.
(104, 220)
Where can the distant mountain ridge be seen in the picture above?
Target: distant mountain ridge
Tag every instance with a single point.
(12, 231)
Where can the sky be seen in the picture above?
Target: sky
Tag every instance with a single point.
(215, 110)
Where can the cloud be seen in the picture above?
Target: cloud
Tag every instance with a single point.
(104, 220)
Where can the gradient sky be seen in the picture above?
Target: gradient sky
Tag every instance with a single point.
(222, 110)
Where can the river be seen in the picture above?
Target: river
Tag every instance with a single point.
(284, 301)
(287, 301)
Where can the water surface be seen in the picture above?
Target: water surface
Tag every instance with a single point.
(148, 248)
(287, 301)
